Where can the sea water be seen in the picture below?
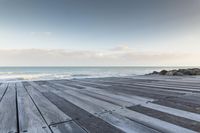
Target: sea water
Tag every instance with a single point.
(48, 73)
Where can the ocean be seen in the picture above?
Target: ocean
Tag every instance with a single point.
(48, 73)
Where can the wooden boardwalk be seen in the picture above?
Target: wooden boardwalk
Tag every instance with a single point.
(142, 104)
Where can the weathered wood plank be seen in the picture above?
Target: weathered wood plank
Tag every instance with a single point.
(114, 95)
(8, 113)
(126, 124)
(178, 83)
(173, 111)
(167, 88)
(152, 122)
(171, 84)
(86, 120)
(87, 82)
(30, 119)
(141, 90)
(146, 88)
(155, 84)
(3, 88)
(135, 84)
(187, 123)
(67, 127)
(89, 105)
(107, 115)
(101, 105)
(103, 95)
(177, 112)
(41, 89)
(48, 110)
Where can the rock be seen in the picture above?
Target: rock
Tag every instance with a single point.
(187, 72)
(170, 73)
(163, 72)
(195, 71)
(155, 72)
(179, 72)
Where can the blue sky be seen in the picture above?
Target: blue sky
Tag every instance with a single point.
(144, 26)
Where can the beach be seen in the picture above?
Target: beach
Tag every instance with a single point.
(137, 104)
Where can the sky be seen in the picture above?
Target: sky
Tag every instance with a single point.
(99, 32)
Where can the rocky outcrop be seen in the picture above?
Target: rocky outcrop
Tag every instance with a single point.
(179, 72)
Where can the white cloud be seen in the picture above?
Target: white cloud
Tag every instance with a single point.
(122, 48)
(124, 56)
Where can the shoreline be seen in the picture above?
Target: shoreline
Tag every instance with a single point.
(11, 73)
(147, 76)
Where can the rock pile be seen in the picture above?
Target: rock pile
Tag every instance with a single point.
(179, 72)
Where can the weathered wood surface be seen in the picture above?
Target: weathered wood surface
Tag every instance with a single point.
(141, 104)
(30, 119)
(67, 127)
(8, 113)
(123, 123)
(3, 88)
(49, 111)
(95, 109)
(145, 103)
